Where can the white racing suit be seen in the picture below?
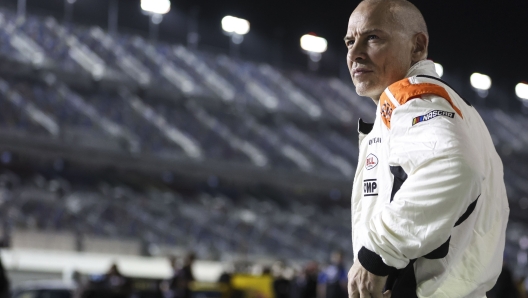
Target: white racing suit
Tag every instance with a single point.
(429, 205)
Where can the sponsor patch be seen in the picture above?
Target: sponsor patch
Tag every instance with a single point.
(432, 115)
(372, 161)
(370, 187)
(374, 141)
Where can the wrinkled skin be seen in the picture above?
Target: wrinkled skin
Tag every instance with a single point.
(380, 48)
(362, 283)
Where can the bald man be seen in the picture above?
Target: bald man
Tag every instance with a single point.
(429, 206)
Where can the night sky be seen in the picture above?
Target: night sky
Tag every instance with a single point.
(466, 35)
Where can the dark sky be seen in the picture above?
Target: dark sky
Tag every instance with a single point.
(466, 35)
(470, 35)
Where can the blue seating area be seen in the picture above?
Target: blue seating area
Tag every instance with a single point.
(220, 109)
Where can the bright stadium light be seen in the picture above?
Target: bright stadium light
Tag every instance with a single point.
(231, 24)
(155, 9)
(313, 44)
(235, 28)
(439, 69)
(522, 91)
(156, 6)
(480, 81)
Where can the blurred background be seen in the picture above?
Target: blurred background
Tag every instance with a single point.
(201, 148)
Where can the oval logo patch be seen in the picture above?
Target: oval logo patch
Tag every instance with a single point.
(372, 161)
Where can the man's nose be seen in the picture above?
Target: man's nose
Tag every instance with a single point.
(357, 53)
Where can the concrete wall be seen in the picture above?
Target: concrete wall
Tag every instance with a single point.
(42, 240)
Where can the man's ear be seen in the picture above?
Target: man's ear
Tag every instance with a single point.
(420, 47)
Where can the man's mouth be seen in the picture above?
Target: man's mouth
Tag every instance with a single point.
(360, 71)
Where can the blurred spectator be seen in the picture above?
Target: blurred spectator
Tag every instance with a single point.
(505, 286)
(225, 277)
(4, 282)
(281, 284)
(116, 282)
(182, 278)
(333, 280)
(521, 287)
(225, 281)
(306, 283)
(265, 271)
(169, 287)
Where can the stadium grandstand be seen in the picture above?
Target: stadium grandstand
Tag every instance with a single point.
(123, 145)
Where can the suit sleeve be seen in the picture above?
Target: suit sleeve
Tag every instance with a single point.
(434, 187)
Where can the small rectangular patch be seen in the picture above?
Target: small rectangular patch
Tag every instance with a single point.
(432, 115)
(370, 187)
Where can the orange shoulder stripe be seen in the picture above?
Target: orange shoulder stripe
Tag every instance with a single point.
(403, 91)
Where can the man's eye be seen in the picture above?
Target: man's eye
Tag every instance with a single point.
(350, 43)
(371, 37)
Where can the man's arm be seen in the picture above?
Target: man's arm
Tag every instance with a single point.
(435, 185)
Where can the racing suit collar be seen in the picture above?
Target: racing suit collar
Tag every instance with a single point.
(424, 67)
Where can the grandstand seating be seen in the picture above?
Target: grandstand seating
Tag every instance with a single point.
(213, 223)
(304, 123)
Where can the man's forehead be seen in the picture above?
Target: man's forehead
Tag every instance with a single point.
(364, 24)
(369, 17)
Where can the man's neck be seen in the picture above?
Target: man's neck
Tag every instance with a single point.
(423, 67)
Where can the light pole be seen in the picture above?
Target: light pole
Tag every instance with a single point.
(21, 8)
(481, 83)
(155, 9)
(235, 28)
(113, 16)
(314, 46)
(68, 10)
(193, 37)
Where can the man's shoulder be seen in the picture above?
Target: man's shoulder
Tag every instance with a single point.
(402, 92)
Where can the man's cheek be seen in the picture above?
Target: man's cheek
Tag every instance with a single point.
(349, 61)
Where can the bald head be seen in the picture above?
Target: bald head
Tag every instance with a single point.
(384, 39)
(402, 12)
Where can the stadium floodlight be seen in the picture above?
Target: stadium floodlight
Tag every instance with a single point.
(68, 10)
(522, 90)
(21, 8)
(236, 28)
(155, 9)
(156, 6)
(480, 81)
(313, 44)
(234, 25)
(439, 69)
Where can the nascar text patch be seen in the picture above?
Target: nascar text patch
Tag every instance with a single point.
(432, 115)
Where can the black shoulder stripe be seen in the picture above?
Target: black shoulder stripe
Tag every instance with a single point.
(364, 127)
(438, 79)
(399, 177)
(439, 253)
(468, 212)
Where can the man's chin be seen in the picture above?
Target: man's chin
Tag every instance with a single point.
(366, 91)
